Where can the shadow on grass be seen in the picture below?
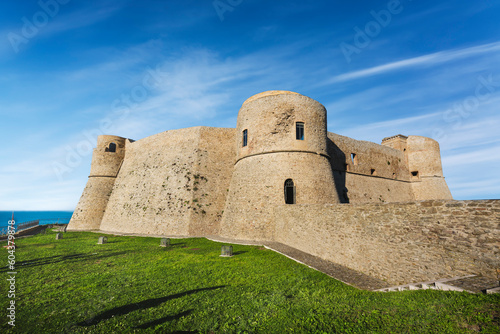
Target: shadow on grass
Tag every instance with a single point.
(173, 246)
(145, 304)
(165, 319)
(239, 252)
(60, 258)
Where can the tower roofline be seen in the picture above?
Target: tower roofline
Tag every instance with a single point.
(396, 136)
(269, 93)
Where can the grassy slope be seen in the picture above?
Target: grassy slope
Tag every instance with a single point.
(131, 284)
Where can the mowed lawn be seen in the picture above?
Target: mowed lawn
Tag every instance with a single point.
(132, 285)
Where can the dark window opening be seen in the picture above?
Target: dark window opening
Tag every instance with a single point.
(300, 131)
(354, 158)
(245, 138)
(112, 147)
(393, 175)
(289, 192)
(346, 167)
(373, 172)
(414, 175)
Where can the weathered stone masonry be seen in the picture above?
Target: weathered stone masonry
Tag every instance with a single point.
(347, 194)
(399, 242)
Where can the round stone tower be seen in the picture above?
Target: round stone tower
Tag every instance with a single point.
(281, 159)
(106, 162)
(426, 172)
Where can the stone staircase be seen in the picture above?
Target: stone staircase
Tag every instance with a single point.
(470, 283)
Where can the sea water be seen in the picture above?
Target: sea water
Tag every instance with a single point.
(45, 217)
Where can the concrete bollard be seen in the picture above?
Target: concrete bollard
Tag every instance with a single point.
(164, 242)
(59, 236)
(226, 251)
(102, 240)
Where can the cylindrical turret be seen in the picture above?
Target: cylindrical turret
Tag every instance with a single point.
(106, 161)
(424, 163)
(281, 159)
(108, 156)
(271, 120)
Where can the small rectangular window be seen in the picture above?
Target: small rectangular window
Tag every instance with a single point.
(300, 131)
(245, 138)
(354, 158)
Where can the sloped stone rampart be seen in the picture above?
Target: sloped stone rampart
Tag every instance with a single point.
(398, 242)
(169, 180)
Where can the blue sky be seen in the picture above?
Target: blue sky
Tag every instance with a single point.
(71, 70)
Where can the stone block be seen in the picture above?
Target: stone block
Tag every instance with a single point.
(226, 251)
(102, 240)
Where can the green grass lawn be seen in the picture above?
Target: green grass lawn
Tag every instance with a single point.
(132, 285)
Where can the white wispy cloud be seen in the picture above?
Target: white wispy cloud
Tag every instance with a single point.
(376, 131)
(490, 154)
(425, 60)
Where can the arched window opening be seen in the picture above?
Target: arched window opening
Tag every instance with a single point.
(245, 138)
(289, 192)
(299, 126)
(112, 147)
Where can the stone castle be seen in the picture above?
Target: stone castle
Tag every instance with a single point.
(280, 176)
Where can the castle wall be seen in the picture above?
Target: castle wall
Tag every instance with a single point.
(369, 189)
(258, 185)
(106, 161)
(104, 168)
(211, 179)
(152, 193)
(273, 155)
(398, 242)
(424, 160)
(92, 204)
(375, 174)
(270, 119)
(170, 181)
